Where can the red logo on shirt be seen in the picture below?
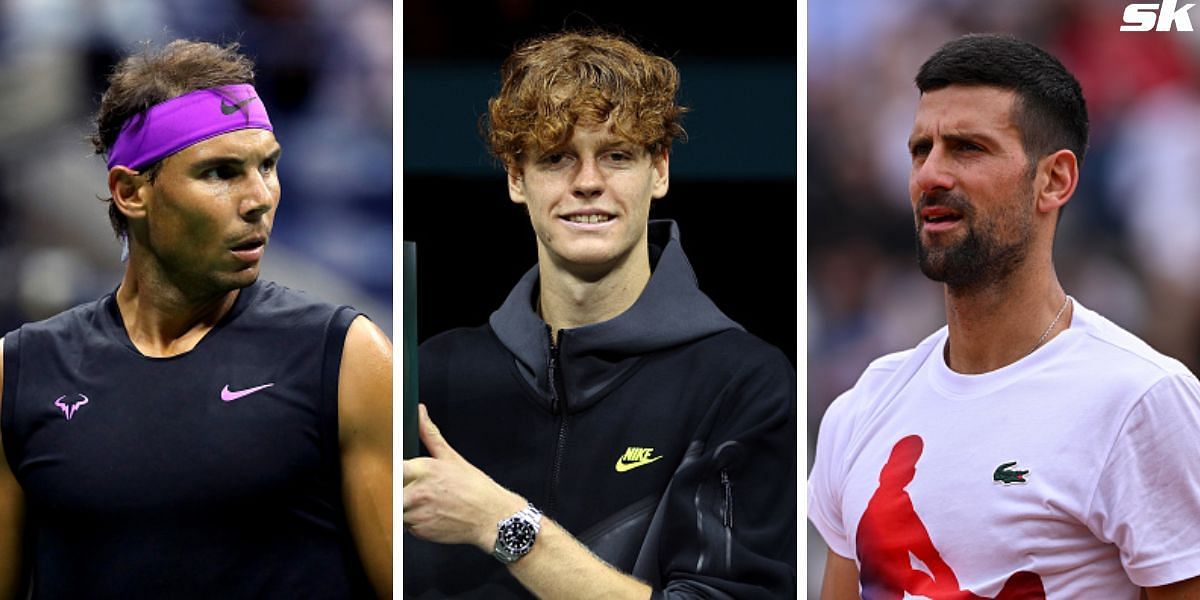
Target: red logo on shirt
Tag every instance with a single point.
(891, 534)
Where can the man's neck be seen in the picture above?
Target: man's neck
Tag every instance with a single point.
(997, 325)
(160, 319)
(569, 299)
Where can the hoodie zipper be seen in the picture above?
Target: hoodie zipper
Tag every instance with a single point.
(727, 517)
(558, 407)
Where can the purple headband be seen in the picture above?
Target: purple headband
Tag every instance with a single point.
(171, 126)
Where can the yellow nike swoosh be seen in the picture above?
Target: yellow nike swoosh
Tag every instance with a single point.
(623, 466)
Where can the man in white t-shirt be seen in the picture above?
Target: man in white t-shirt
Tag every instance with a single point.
(1031, 448)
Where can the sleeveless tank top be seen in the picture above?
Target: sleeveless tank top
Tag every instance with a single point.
(210, 474)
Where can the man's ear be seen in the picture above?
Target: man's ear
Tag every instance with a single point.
(129, 190)
(1056, 179)
(661, 163)
(516, 184)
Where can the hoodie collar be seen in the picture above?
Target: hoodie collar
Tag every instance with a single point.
(594, 358)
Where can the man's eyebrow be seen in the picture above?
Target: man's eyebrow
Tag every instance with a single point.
(217, 161)
(616, 141)
(916, 139)
(233, 160)
(536, 155)
(969, 136)
(957, 137)
(623, 145)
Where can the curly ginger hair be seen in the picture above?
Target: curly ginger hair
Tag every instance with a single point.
(550, 84)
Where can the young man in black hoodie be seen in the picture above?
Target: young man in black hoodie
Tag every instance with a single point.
(609, 431)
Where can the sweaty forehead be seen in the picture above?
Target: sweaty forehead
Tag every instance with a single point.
(249, 142)
(965, 110)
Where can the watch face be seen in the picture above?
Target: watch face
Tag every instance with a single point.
(517, 536)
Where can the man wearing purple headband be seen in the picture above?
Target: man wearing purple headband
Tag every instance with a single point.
(197, 433)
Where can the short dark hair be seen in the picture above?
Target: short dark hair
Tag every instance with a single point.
(1050, 111)
(153, 76)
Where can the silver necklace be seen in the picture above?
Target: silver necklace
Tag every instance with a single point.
(1066, 301)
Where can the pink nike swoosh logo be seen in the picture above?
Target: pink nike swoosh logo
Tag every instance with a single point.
(230, 396)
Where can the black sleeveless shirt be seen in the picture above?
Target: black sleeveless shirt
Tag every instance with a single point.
(211, 474)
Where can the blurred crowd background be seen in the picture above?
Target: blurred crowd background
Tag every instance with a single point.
(325, 74)
(1128, 245)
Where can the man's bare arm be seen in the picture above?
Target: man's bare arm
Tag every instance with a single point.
(841, 578)
(365, 435)
(1188, 589)
(449, 501)
(12, 506)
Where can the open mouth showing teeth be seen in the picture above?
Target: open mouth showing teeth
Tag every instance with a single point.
(941, 219)
(588, 218)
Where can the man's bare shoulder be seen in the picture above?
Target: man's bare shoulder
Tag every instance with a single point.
(366, 341)
(365, 380)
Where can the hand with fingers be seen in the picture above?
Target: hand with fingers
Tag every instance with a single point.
(449, 501)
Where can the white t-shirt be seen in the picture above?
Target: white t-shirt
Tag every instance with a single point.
(1078, 465)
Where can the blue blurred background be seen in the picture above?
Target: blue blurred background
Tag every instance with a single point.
(1128, 245)
(325, 74)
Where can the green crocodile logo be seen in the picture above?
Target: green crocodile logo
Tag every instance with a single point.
(1003, 475)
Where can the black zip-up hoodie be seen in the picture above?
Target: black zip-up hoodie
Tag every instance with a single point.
(664, 439)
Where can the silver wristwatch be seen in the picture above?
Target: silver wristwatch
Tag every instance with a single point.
(516, 534)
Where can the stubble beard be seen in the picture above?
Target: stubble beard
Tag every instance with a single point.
(982, 258)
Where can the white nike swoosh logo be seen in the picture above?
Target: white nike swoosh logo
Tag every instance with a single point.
(230, 396)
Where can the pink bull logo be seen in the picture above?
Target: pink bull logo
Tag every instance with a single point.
(70, 408)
